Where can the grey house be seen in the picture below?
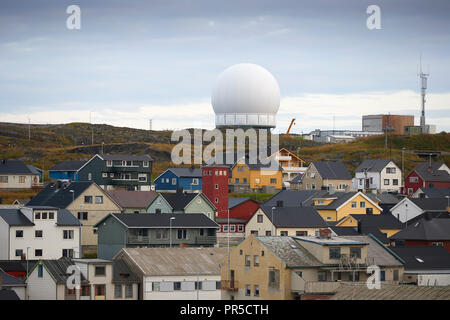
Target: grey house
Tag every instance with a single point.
(130, 172)
(117, 231)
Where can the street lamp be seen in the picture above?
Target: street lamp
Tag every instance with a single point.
(73, 195)
(403, 164)
(273, 223)
(26, 279)
(170, 231)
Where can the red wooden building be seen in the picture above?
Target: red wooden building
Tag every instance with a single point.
(215, 187)
(436, 175)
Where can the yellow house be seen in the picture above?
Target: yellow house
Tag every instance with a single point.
(285, 221)
(256, 176)
(335, 206)
(291, 164)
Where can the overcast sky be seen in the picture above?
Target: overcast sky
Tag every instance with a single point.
(137, 60)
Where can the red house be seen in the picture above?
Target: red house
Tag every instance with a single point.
(215, 187)
(436, 175)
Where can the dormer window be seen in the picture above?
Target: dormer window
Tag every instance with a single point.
(51, 215)
(37, 215)
(44, 215)
(109, 163)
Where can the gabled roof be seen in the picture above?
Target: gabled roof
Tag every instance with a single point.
(383, 198)
(58, 269)
(57, 194)
(431, 204)
(424, 258)
(133, 199)
(290, 198)
(10, 281)
(234, 202)
(288, 151)
(162, 220)
(178, 201)
(341, 199)
(435, 175)
(12, 265)
(34, 170)
(122, 273)
(381, 254)
(66, 218)
(187, 172)
(72, 165)
(290, 251)
(372, 165)
(297, 178)
(332, 170)
(175, 261)
(435, 192)
(430, 230)
(14, 217)
(344, 231)
(381, 221)
(295, 217)
(14, 166)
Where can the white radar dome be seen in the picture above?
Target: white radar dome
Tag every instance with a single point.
(246, 95)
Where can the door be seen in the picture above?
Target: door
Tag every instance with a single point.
(231, 279)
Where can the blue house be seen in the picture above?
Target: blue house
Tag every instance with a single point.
(190, 179)
(66, 170)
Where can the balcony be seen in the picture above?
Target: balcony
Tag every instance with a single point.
(321, 287)
(229, 285)
(283, 158)
(139, 239)
(201, 240)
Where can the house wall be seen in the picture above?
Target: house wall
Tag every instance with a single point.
(188, 294)
(200, 205)
(265, 178)
(322, 252)
(308, 181)
(356, 183)
(159, 203)
(433, 280)
(101, 280)
(96, 212)
(135, 291)
(244, 210)
(41, 288)
(63, 175)
(52, 242)
(219, 176)
(161, 183)
(411, 187)
(391, 177)
(112, 236)
(4, 240)
(406, 210)
(14, 181)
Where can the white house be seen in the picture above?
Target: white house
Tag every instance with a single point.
(378, 175)
(408, 209)
(14, 174)
(38, 233)
(176, 273)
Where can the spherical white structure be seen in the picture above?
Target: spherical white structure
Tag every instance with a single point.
(246, 95)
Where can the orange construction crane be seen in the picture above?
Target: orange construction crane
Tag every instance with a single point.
(289, 129)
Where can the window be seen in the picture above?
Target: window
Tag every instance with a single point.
(38, 253)
(335, 253)
(129, 291)
(361, 182)
(67, 253)
(142, 177)
(182, 234)
(98, 199)
(313, 186)
(145, 164)
(21, 179)
(386, 182)
(82, 215)
(155, 286)
(118, 291)
(256, 261)
(85, 291)
(37, 215)
(225, 228)
(100, 271)
(198, 285)
(129, 163)
(87, 199)
(232, 228)
(301, 233)
(104, 174)
(268, 233)
(67, 234)
(321, 275)
(162, 234)
(395, 182)
(396, 275)
(38, 233)
(247, 261)
(19, 252)
(390, 170)
(40, 271)
(19, 233)
(237, 180)
(259, 218)
(355, 252)
(247, 290)
(245, 180)
(109, 163)
(413, 179)
(254, 232)
(283, 233)
(51, 215)
(177, 286)
(273, 181)
(320, 202)
(174, 181)
(4, 179)
(362, 204)
(218, 285)
(216, 186)
(353, 204)
(354, 277)
(100, 290)
(240, 228)
(274, 278)
(44, 215)
(312, 174)
(216, 200)
(111, 175)
(257, 180)
(195, 181)
(438, 244)
(382, 275)
(89, 176)
(256, 290)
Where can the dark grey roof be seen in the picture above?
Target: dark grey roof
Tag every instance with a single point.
(58, 269)
(57, 194)
(233, 202)
(122, 273)
(72, 165)
(187, 172)
(290, 198)
(435, 175)
(232, 220)
(178, 201)
(126, 157)
(435, 192)
(66, 218)
(436, 229)
(381, 221)
(431, 204)
(332, 170)
(423, 257)
(383, 198)
(8, 295)
(345, 231)
(13, 166)
(14, 217)
(290, 251)
(297, 178)
(341, 198)
(34, 170)
(12, 265)
(292, 217)
(10, 281)
(161, 220)
(372, 165)
(353, 231)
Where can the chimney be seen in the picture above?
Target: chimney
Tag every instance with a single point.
(179, 190)
(325, 234)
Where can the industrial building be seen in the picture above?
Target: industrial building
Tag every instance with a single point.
(380, 122)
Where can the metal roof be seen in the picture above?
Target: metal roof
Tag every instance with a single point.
(14, 166)
(423, 257)
(332, 170)
(435, 175)
(57, 194)
(10, 281)
(295, 217)
(187, 172)
(290, 198)
(375, 165)
(14, 217)
(162, 220)
(72, 165)
(437, 229)
(176, 261)
(133, 199)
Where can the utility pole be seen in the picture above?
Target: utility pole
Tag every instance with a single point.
(150, 124)
(403, 166)
(92, 128)
(29, 128)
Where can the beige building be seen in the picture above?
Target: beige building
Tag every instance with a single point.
(330, 174)
(14, 174)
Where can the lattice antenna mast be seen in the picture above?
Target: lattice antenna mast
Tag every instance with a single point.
(423, 80)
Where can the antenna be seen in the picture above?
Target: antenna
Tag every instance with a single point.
(29, 128)
(423, 80)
